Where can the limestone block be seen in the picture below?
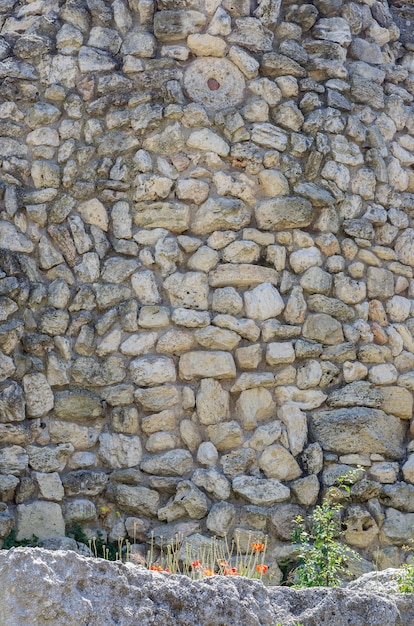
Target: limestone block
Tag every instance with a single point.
(241, 252)
(207, 454)
(46, 459)
(278, 353)
(214, 338)
(50, 486)
(213, 482)
(12, 404)
(139, 344)
(79, 436)
(160, 441)
(43, 519)
(39, 396)
(249, 357)
(242, 275)
(205, 139)
(171, 463)
(263, 302)
(408, 469)
(190, 434)
(323, 328)
(118, 450)
(306, 490)
(277, 462)
(157, 398)
(282, 520)
(84, 483)
(296, 425)
(220, 518)
(188, 290)
(220, 213)
(398, 527)
(13, 460)
(358, 430)
(152, 370)
(244, 327)
(77, 404)
(174, 25)
(253, 406)
(225, 436)
(263, 492)
(398, 401)
(198, 364)
(212, 402)
(361, 528)
(265, 435)
(284, 212)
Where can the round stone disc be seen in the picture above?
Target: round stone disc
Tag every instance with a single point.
(214, 82)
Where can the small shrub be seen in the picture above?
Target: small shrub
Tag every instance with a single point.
(322, 555)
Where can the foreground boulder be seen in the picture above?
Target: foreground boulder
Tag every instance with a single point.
(40, 587)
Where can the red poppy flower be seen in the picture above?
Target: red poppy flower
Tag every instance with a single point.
(257, 547)
(262, 568)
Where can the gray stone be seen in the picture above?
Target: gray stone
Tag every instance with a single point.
(77, 404)
(263, 492)
(172, 463)
(12, 404)
(358, 430)
(42, 519)
(137, 500)
(359, 605)
(282, 213)
(220, 214)
(323, 328)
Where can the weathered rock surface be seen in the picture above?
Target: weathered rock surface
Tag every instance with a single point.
(78, 590)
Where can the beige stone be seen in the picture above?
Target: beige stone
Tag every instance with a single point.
(253, 406)
(188, 290)
(225, 435)
(398, 401)
(94, 212)
(118, 450)
(277, 462)
(206, 45)
(212, 402)
(243, 275)
(198, 364)
(296, 425)
(278, 353)
(39, 396)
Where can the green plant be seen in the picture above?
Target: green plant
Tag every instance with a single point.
(322, 555)
(10, 541)
(405, 578)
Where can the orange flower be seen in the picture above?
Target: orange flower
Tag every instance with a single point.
(196, 564)
(262, 568)
(230, 571)
(257, 547)
(209, 572)
(167, 569)
(156, 568)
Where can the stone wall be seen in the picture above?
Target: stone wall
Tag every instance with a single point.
(207, 257)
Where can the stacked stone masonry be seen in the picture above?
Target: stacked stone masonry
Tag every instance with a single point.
(206, 269)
